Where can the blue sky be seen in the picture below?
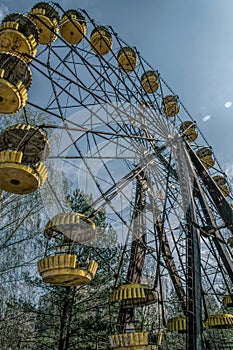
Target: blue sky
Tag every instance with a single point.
(189, 42)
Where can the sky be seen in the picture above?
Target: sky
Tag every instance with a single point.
(190, 42)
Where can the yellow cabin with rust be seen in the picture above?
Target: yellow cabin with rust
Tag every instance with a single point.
(18, 34)
(35, 145)
(188, 130)
(19, 178)
(227, 300)
(132, 295)
(130, 341)
(46, 18)
(63, 270)
(15, 81)
(222, 184)
(221, 321)
(74, 226)
(150, 81)
(177, 324)
(127, 59)
(206, 157)
(73, 27)
(21, 167)
(101, 40)
(171, 105)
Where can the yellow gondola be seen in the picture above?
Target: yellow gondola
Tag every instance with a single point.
(19, 178)
(222, 184)
(206, 156)
(73, 27)
(171, 105)
(188, 130)
(47, 20)
(128, 341)
(133, 295)
(177, 324)
(63, 270)
(159, 337)
(221, 321)
(15, 81)
(101, 40)
(227, 300)
(28, 139)
(22, 147)
(18, 34)
(127, 59)
(150, 81)
(74, 226)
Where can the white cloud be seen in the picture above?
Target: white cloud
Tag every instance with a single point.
(228, 104)
(206, 118)
(3, 10)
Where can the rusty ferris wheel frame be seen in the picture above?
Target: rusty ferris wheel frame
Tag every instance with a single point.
(175, 209)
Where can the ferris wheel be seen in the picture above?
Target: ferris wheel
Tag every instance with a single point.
(113, 128)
